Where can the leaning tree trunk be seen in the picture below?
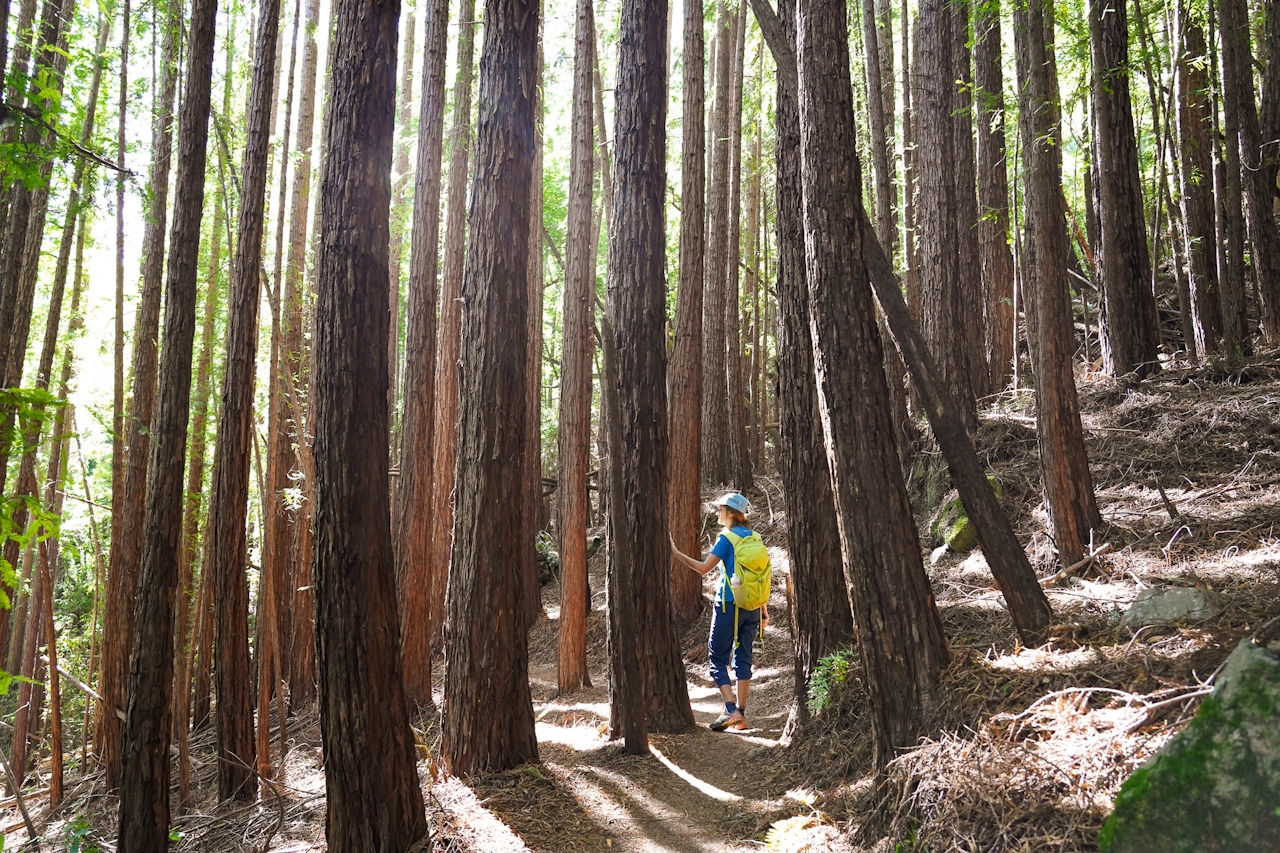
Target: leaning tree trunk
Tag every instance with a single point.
(373, 805)
(821, 612)
(413, 515)
(899, 631)
(123, 567)
(636, 306)
(1128, 321)
(144, 787)
(1068, 484)
(488, 712)
(1196, 187)
(574, 448)
(229, 503)
(684, 503)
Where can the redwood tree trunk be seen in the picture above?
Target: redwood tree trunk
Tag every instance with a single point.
(374, 802)
(821, 612)
(488, 713)
(684, 503)
(1068, 484)
(1128, 322)
(637, 298)
(899, 631)
(575, 368)
(413, 504)
(144, 787)
(229, 504)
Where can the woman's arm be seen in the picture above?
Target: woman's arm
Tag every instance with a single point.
(699, 566)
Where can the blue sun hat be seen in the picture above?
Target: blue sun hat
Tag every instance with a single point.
(734, 501)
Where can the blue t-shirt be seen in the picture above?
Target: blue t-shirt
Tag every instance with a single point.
(724, 550)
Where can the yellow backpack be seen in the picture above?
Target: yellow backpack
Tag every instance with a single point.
(751, 565)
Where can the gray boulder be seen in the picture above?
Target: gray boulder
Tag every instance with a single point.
(1158, 606)
(1216, 786)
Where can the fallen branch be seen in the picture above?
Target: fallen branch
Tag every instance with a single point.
(1077, 566)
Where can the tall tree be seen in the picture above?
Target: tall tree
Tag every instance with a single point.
(1196, 184)
(229, 503)
(574, 449)
(488, 719)
(993, 196)
(413, 515)
(821, 611)
(736, 390)
(964, 176)
(144, 787)
(445, 450)
(684, 504)
(636, 306)
(399, 203)
(372, 805)
(1229, 212)
(1241, 113)
(126, 553)
(1068, 484)
(715, 405)
(899, 631)
(1128, 322)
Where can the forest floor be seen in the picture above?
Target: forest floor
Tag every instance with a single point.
(1037, 741)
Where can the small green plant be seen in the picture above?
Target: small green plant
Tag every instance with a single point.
(827, 677)
(77, 837)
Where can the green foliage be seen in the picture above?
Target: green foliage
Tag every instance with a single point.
(827, 679)
(77, 837)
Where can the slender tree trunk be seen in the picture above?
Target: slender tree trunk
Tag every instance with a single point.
(445, 451)
(715, 406)
(1241, 113)
(636, 306)
(229, 503)
(126, 553)
(372, 805)
(993, 197)
(144, 788)
(399, 211)
(488, 721)
(1067, 482)
(1229, 217)
(301, 663)
(821, 611)
(106, 737)
(964, 174)
(684, 503)
(574, 450)
(413, 504)
(1196, 186)
(1128, 322)
(736, 390)
(899, 631)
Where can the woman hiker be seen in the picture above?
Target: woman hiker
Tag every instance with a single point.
(732, 509)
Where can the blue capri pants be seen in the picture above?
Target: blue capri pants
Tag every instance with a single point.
(720, 644)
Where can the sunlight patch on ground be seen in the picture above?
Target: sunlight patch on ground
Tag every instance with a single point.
(1044, 660)
(475, 823)
(705, 787)
(583, 738)
(640, 807)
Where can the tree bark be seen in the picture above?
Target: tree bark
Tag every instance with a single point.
(1068, 484)
(398, 205)
(488, 719)
(993, 198)
(684, 503)
(715, 405)
(964, 174)
(1241, 112)
(1229, 217)
(636, 306)
(144, 788)
(126, 554)
(574, 450)
(736, 390)
(899, 631)
(1196, 186)
(372, 805)
(413, 504)
(821, 611)
(1128, 322)
(445, 450)
(229, 502)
